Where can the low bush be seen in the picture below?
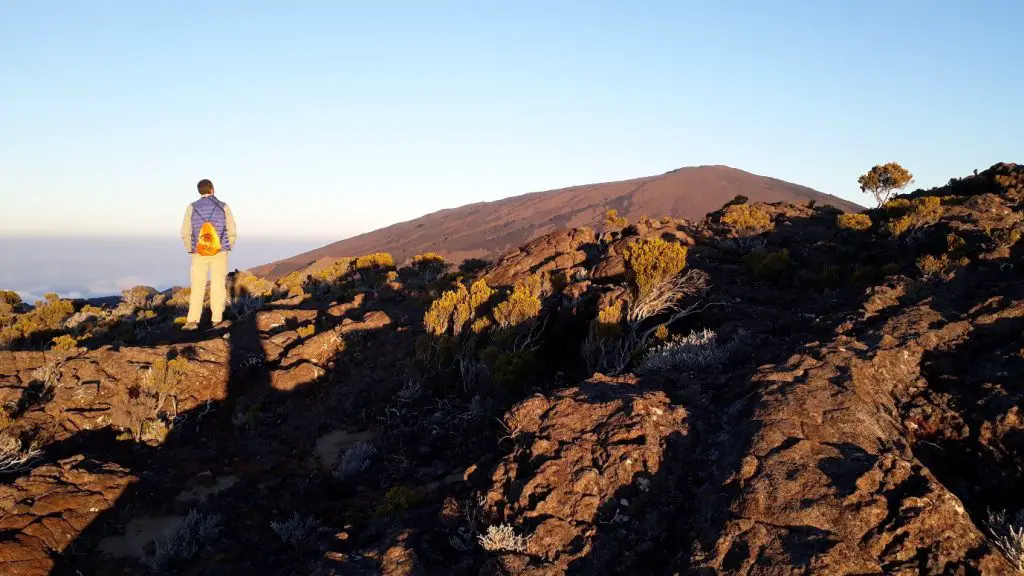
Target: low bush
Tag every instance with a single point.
(397, 500)
(503, 538)
(429, 266)
(522, 305)
(48, 315)
(768, 265)
(248, 284)
(904, 214)
(297, 530)
(954, 256)
(1008, 536)
(189, 539)
(855, 222)
(652, 261)
(613, 221)
(513, 369)
(355, 460)
(64, 343)
(696, 351)
(375, 261)
(457, 308)
(138, 296)
(747, 220)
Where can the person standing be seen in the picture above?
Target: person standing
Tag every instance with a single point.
(208, 233)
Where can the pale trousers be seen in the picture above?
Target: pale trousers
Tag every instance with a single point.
(217, 268)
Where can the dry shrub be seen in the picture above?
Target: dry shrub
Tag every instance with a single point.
(697, 351)
(190, 538)
(15, 456)
(855, 222)
(747, 220)
(132, 410)
(1007, 534)
(137, 408)
(652, 261)
(163, 380)
(138, 297)
(297, 531)
(503, 538)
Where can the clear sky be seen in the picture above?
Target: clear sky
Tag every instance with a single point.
(335, 117)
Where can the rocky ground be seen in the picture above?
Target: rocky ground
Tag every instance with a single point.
(825, 396)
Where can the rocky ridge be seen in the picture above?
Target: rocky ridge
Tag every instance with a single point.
(823, 396)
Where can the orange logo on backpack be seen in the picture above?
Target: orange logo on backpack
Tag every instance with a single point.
(209, 240)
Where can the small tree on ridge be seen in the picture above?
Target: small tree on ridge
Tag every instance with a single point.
(885, 179)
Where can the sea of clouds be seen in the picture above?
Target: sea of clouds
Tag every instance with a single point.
(98, 267)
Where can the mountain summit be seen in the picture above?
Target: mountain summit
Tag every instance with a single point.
(488, 229)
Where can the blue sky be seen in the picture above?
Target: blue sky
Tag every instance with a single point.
(330, 118)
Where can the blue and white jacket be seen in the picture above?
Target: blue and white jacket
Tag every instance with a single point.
(218, 213)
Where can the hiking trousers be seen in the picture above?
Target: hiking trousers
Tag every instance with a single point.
(217, 268)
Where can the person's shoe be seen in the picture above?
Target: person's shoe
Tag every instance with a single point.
(190, 327)
(222, 325)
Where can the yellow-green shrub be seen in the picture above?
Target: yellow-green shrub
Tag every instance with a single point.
(397, 500)
(889, 269)
(514, 368)
(651, 261)
(767, 265)
(64, 343)
(608, 323)
(856, 222)
(455, 308)
(249, 284)
(47, 316)
(291, 282)
(8, 302)
(830, 276)
(164, 377)
(179, 298)
(429, 266)
(377, 260)
(913, 213)
(305, 331)
(138, 296)
(522, 304)
(747, 219)
(954, 256)
(336, 271)
(613, 220)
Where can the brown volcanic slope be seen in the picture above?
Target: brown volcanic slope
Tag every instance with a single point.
(488, 229)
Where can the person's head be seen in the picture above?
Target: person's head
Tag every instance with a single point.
(205, 187)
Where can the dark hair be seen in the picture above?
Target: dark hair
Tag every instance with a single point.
(205, 186)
